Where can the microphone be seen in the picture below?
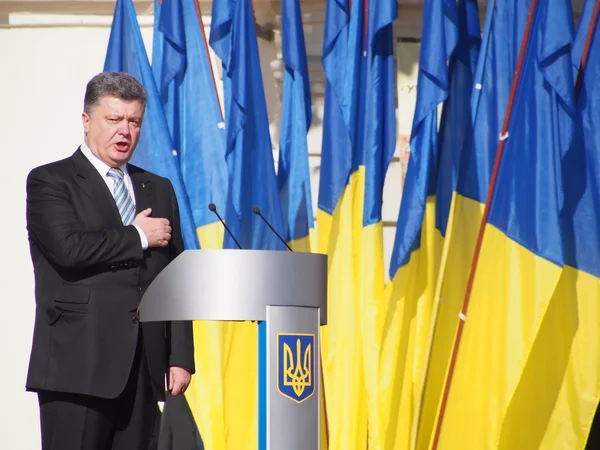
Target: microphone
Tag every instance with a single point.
(213, 208)
(256, 211)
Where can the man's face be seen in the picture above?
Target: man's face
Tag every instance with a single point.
(112, 129)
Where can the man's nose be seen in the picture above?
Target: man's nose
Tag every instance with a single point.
(124, 128)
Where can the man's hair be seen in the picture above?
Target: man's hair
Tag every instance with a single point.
(113, 84)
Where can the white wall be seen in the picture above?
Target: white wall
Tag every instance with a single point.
(43, 73)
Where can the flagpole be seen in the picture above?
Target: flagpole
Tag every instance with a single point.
(586, 49)
(484, 220)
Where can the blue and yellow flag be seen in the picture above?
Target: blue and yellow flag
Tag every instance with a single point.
(155, 152)
(446, 65)
(374, 151)
(293, 175)
(559, 391)
(182, 68)
(489, 92)
(358, 144)
(342, 369)
(522, 254)
(252, 182)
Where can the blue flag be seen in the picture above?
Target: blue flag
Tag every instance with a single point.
(433, 86)
(293, 174)
(192, 109)
(154, 152)
(252, 180)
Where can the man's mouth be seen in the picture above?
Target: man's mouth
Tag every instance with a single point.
(122, 146)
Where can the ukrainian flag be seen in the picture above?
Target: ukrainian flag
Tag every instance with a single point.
(489, 97)
(522, 254)
(559, 391)
(182, 69)
(252, 182)
(375, 149)
(447, 60)
(358, 142)
(342, 364)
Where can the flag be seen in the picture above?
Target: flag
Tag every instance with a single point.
(446, 65)
(492, 79)
(522, 255)
(358, 144)
(375, 149)
(154, 152)
(182, 69)
(559, 391)
(293, 175)
(339, 226)
(252, 182)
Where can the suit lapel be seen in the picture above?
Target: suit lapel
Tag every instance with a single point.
(143, 188)
(91, 182)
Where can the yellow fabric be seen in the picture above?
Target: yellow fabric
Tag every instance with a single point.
(223, 394)
(345, 394)
(371, 301)
(559, 390)
(407, 321)
(306, 243)
(457, 255)
(211, 236)
(511, 293)
(309, 244)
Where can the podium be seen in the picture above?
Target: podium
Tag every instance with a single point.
(286, 293)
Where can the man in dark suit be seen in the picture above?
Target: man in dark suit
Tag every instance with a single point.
(100, 230)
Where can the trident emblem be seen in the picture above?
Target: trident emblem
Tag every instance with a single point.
(295, 366)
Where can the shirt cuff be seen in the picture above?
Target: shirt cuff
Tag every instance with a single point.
(143, 238)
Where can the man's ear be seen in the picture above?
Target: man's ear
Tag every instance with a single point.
(85, 120)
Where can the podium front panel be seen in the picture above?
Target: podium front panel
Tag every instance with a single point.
(292, 378)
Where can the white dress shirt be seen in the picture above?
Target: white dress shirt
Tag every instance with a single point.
(103, 169)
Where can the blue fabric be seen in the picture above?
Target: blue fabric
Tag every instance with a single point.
(581, 164)
(154, 152)
(503, 33)
(249, 154)
(379, 116)
(336, 150)
(170, 24)
(293, 174)
(455, 122)
(441, 27)
(192, 110)
(528, 197)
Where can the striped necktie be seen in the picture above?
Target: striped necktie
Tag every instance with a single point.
(122, 197)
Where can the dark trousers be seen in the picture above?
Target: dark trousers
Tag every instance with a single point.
(82, 422)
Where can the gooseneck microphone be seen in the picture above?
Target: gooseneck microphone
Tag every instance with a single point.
(256, 211)
(213, 208)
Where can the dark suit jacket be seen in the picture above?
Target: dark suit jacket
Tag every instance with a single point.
(90, 274)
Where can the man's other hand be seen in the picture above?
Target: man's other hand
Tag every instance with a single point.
(157, 230)
(179, 380)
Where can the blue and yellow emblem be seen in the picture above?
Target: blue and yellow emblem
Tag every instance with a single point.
(295, 365)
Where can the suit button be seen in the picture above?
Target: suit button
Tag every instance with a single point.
(139, 289)
(135, 320)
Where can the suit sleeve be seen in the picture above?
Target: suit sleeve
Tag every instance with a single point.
(182, 335)
(53, 225)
